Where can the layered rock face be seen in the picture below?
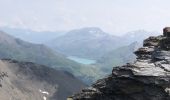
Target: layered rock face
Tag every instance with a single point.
(148, 78)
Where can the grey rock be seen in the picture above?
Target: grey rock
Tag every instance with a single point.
(166, 31)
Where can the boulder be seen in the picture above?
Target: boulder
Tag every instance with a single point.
(166, 31)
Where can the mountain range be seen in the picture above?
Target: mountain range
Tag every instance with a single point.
(93, 43)
(37, 37)
(89, 42)
(86, 43)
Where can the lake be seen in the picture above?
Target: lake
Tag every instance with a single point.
(82, 60)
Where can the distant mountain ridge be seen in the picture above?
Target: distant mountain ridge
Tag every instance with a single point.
(32, 36)
(44, 36)
(86, 43)
(137, 35)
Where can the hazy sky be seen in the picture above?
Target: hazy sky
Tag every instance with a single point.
(114, 16)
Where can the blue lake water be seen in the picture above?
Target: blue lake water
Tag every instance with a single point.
(82, 60)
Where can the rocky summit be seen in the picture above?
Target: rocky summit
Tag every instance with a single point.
(148, 78)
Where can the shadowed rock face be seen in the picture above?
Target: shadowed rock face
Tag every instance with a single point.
(29, 81)
(148, 78)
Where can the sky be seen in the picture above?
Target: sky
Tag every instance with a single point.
(112, 16)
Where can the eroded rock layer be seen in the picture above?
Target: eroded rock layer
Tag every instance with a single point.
(148, 78)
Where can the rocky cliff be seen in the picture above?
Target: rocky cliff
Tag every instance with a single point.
(29, 81)
(148, 78)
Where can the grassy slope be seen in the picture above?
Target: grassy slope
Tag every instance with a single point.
(24, 51)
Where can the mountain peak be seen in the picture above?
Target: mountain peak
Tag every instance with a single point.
(92, 29)
(92, 41)
(88, 31)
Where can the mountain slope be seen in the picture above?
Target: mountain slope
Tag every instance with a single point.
(29, 81)
(17, 49)
(13, 48)
(117, 57)
(86, 43)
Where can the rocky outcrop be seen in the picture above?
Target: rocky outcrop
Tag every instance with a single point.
(148, 78)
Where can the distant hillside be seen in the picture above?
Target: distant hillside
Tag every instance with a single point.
(29, 81)
(117, 57)
(14, 48)
(93, 43)
(86, 43)
(138, 35)
(32, 36)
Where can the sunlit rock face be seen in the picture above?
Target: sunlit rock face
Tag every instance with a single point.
(148, 78)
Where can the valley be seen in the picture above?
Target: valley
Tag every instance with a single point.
(17, 49)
